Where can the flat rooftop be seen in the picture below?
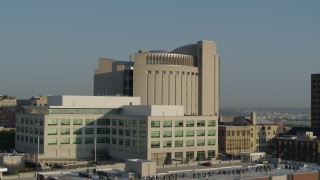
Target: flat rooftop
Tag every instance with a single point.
(214, 173)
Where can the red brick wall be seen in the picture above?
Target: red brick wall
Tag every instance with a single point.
(305, 176)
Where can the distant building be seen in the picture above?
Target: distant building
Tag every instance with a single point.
(302, 147)
(8, 101)
(235, 139)
(247, 135)
(113, 78)
(187, 76)
(7, 111)
(7, 117)
(315, 100)
(40, 100)
(295, 130)
(69, 126)
(6, 129)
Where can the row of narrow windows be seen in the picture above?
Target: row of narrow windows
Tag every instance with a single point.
(172, 72)
(170, 60)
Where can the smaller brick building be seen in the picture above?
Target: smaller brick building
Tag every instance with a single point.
(7, 117)
(302, 147)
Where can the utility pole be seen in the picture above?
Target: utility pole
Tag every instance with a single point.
(38, 152)
(232, 159)
(95, 150)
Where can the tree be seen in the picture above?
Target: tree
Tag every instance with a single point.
(7, 140)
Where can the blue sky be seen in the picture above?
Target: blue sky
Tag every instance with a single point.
(268, 49)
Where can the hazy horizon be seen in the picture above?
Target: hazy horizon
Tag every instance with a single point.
(268, 49)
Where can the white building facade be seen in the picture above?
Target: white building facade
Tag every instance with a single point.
(77, 127)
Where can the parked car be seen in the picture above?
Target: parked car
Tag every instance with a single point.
(263, 162)
(207, 164)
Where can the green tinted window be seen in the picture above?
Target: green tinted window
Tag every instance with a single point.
(52, 122)
(167, 133)
(167, 144)
(190, 133)
(77, 131)
(52, 131)
(143, 133)
(89, 131)
(143, 123)
(178, 143)
(101, 122)
(155, 124)
(201, 132)
(89, 121)
(178, 155)
(211, 142)
(200, 142)
(155, 134)
(155, 144)
(178, 123)
(65, 121)
(201, 123)
(77, 122)
(101, 130)
(65, 141)
(178, 133)
(189, 143)
(211, 132)
(167, 123)
(211, 123)
(134, 133)
(77, 140)
(89, 140)
(211, 153)
(135, 123)
(51, 141)
(64, 131)
(190, 123)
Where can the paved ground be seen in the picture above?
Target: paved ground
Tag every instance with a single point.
(165, 170)
(189, 169)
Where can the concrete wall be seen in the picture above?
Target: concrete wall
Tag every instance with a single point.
(141, 167)
(12, 162)
(30, 175)
(166, 84)
(209, 78)
(92, 101)
(279, 177)
(153, 110)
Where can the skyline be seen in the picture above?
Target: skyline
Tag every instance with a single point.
(45, 52)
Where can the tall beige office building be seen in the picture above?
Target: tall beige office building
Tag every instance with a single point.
(188, 76)
(315, 100)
